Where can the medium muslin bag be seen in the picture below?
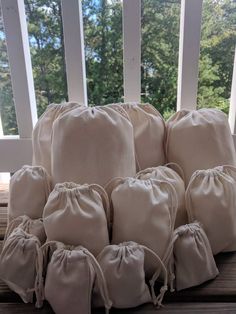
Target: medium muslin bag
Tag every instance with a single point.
(123, 268)
(70, 278)
(149, 134)
(167, 174)
(144, 211)
(78, 215)
(92, 145)
(211, 199)
(42, 133)
(29, 189)
(31, 226)
(20, 261)
(193, 259)
(199, 139)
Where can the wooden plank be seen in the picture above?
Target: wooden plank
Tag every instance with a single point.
(14, 18)
(15, 153)
(3, 221)
(74, 50)
(232, 108)
(189, 47)
(175, 308)
(132, 50)
(4, 191)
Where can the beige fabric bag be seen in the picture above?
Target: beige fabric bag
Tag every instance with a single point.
(149, 134)
(123, 268)
(29, 189)
(20, 261)
(70, 278)
(193, 259)
(211, 199)
(78, 215)
(92, 145)
(167, 174)
(144, 211)
(199, 140)
(42, 133)
(31, 226)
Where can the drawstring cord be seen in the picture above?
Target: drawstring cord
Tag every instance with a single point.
(101, 281)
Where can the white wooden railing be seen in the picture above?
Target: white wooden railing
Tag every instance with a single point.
(16, 150)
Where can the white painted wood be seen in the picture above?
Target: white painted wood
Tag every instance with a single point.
(74, 50)
(189, 47)
(15, 153)
(232, 108)
(132, 50)
(14, 18)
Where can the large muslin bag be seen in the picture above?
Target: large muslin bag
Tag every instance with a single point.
(167, 174)
(144, 211)
(199, 139)
(20, 261)
(78, 215)
(42, 133)
(193, 259)
(70, 278)
(211, 200)
(149, 134)
(29, 189)
(92, 145)
(123, 268)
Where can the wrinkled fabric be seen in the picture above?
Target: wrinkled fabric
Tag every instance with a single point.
(211, 199)
(70, 279)
(193, 259)
(149, 134)
(92, 145)
(42, 133)
(167, 174)
(199, 139)
(29, 189)
(78, 215)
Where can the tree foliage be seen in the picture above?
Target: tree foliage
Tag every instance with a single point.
(104, 55)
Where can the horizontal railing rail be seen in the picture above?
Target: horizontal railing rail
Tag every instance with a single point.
(16, 151)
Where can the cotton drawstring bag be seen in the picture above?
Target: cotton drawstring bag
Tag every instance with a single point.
(149, 134)
(167, 174)
(70, 278)
(42, 133)
(78, 215)
(20, 261)
(92, 145)
(193, 259)
(29, 189)
(123, 268)
(211, 199)
(199, 139)
(144, 211)
(31, 226)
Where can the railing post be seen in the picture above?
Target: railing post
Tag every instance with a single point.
(189, 47)
(14, 18)
(232, 109)
(74, 50)
(132, 50)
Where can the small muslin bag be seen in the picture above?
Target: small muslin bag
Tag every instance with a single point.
(70, 277)
(199, 139)
(143, 211)
(42, 133)
(29, 189)
(149, 134)
(193, 259)
(20, 261)
(78, 215)
(123, 268)
(167, 174)
(92, 145)
(211, 199)
(31, 226)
